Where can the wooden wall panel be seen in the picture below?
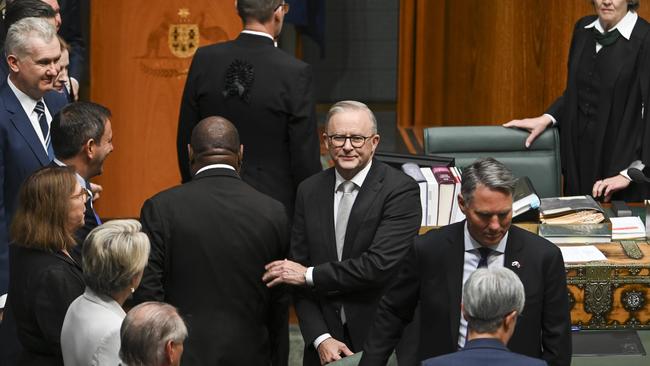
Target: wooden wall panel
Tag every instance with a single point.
(136, 75)
(484, 62)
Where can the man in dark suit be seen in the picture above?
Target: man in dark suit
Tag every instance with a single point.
(210, 239)
(352, 226)
(434, 271)
(266, 93)
(493, 298)
(82, 137)
(25, 115)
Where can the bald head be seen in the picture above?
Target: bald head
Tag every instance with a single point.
(215, 140)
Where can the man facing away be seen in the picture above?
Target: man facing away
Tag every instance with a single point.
(439, 263)
(493, 299)
(210, 239)
(353, 224)
(265, 93)
(152, 334)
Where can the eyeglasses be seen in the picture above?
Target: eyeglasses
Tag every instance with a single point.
(285, 7)
(355, 140)
(83, 196)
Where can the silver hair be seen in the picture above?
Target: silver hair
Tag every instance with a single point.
(487, 172)
(113, 254)
(145, 331)
(351, 105)
(18, 36)
(489, 295)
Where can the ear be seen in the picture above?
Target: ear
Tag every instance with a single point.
(89, 148)
(510, 320)
(375, 141)
(170, 352)
(190, 153)
(462, 204)
(462, 310)
(241, 152)
(12, 61)
(326, 140)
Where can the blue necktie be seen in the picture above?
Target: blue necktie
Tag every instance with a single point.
(485, 253)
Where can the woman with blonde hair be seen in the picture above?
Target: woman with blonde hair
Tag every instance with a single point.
(114, 257)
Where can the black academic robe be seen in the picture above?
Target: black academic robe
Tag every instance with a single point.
(618, 126)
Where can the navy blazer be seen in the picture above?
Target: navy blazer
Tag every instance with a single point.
(483, 352)
(21, 153)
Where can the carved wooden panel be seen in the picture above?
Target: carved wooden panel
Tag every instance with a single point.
(140, 54)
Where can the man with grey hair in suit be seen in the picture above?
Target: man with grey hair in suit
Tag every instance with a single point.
(152, 334)
(493, 298)
(440, 262)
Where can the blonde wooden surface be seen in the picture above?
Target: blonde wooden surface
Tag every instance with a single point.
(136, 75)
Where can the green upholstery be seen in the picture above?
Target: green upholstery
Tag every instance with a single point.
(540, 163)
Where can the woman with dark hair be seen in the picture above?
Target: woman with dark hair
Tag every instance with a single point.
(44, 279)
(602, 114)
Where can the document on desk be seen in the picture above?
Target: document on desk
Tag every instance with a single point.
(579, 254)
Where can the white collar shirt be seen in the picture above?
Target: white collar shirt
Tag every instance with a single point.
(28, 103)
(472, 258)
(625, 27)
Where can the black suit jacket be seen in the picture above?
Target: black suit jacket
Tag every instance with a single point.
(43, 284)
(385, 217)
(210, 240)
(619, 125)
(432, 274)
(276, 124)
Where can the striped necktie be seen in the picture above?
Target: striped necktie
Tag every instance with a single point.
(42, 121)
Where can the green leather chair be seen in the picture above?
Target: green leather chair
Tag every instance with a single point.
(540, 163)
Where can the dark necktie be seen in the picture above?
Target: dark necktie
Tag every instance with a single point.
(90, 202)
(42, 121)
(485, 253)
(607, 38)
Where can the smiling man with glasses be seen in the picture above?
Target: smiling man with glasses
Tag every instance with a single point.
(352, 226)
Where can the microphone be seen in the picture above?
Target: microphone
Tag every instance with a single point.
(637, 176)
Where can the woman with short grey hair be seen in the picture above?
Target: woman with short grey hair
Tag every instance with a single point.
(114, 257)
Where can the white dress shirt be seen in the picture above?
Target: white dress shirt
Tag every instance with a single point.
(263, 34)
(28, 103)
(472, 258)
(91, 331)
(358, 180)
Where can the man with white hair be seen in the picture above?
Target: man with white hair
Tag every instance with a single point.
(493, 298)
(152, 334)
(26, 112)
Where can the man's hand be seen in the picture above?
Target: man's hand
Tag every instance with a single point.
(285, 271)
(331, 350)
(535, 126)
(607, 187)
(96, 189)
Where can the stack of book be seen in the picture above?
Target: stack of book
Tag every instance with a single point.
(574, 220)
(439, 188)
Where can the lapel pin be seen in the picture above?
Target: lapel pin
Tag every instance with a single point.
(516, 264)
